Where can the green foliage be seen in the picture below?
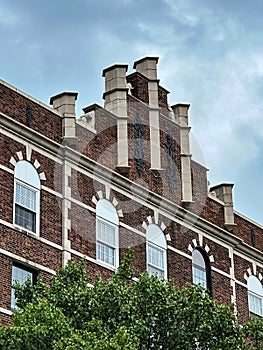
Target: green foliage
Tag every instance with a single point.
(148, 313)
(35, 327)
(253, 331)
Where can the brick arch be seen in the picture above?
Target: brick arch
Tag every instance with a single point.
(253, 272)
(199, 243)
(155, 220)
(19, 156)
(107, 195)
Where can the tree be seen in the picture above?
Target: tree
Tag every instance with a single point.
(123, 313)
(253, 332)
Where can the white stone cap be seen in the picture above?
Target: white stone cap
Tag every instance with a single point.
(64, 102)
(147, 66)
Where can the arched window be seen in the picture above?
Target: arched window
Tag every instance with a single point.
(156, 251)
(107, 233)
(26, 196)
(201, 271)
(255, 295)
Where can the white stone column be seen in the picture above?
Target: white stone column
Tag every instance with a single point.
(122, 134)
(65, 206)
(65, 104)
(115, 97)
(181, 117)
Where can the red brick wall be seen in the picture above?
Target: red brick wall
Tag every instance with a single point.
(131, 239)
(52, 170)
(102, 146)
(221, 288)
(242, 303)
(179, 269)
(163, 104)
(6, 280)
(243, 230)
(5, 320)
(173, 190)
(140, 91)
(50, 217)
(140, 86)
(220, 254)
(213, 212)
(30, 248)
(83, 230)
(241, 266)
(15, 106)
(8, 149)
(7, 195)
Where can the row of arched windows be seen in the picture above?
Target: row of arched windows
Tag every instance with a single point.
(156, 254)
(26, 215)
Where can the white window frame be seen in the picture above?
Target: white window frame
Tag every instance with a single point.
(27, 177)
(152, 268)
(255, 293)
(107, 216)
(156, 241)
(201, 269)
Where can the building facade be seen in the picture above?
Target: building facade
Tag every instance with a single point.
(120, 175)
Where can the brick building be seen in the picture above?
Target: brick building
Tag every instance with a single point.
(120, 175)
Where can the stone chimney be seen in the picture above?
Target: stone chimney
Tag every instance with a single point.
(64, 103)
(224, 193)
(116, 89)
(181, 117)
(147, 66)
(115, 96)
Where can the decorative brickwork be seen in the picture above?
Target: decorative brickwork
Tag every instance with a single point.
(76, 172)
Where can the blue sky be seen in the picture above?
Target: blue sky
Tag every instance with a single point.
(211, 55)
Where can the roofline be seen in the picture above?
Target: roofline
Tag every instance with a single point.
(22, 93)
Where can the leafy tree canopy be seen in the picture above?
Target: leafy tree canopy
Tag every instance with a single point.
(123, 313)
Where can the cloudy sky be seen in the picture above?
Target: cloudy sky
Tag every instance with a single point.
(211, 55)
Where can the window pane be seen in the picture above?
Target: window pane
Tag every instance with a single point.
(199, 276)
(107, 211)
(25, 197)
(27, 173)
(20, 275)
(106, 233)
(255, 286)
(106, 253)
(155, 256)
(25, 218)
(198, 259)
(155, 261)
(255, 304)
(107, 242)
